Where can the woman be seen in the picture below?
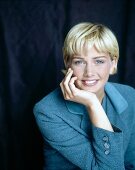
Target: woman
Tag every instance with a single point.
(88, 123)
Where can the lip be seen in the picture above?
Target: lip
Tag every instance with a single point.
(89, 82)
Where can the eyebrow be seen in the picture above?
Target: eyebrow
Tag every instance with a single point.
(77, 58)
(97, 57)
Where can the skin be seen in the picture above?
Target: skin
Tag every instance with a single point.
(84, 83)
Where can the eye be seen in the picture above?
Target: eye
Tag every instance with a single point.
(78, 62)
(99, 61)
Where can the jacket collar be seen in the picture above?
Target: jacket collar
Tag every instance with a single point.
(118, 101)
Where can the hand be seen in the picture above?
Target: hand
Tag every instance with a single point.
(72, 93)
(90, 100)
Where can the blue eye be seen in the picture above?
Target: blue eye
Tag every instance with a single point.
(79, 62)
(99, 61)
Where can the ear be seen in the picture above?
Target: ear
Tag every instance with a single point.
(113, 68)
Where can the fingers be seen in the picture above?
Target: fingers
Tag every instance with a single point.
(67, 85)
(72, 85)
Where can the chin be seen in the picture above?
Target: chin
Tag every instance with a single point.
(89, 89)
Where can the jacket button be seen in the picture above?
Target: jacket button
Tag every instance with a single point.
(106, 145)
(107, 152)
(105, 139)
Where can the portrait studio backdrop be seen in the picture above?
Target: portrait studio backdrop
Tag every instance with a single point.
(31, 39)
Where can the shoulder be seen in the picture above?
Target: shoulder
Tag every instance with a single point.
(123, 87)
(50, 101)
(126, 91)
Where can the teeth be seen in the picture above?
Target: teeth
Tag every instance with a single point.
(90, 82)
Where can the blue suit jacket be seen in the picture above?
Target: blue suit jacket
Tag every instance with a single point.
(72, 142)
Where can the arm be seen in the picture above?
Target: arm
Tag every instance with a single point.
(77, 148)
(90, 100)
(96, 114)
(85, 153)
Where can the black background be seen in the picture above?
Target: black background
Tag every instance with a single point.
(31, 39)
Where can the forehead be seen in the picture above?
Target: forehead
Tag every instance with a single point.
(91, 52)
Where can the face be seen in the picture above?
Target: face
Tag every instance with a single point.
(92, 70)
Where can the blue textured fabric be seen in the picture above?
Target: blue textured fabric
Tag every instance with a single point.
(72, 142)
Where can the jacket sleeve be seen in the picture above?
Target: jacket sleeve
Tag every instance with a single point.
(130, 152)
(104, 151)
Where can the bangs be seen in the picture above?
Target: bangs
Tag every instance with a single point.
(83, 44)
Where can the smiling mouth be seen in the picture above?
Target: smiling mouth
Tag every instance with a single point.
(89, 82)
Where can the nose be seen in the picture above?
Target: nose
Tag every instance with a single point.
(89, 69)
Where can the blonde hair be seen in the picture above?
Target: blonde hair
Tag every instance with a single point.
(90, 34)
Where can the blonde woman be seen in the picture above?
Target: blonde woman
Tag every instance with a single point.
(88, 122)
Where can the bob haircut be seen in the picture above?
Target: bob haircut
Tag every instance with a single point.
(87, 35)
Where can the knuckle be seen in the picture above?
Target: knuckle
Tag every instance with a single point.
(66, 97)
(64, 83)
(60, 84)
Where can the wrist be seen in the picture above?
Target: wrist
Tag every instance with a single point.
(94, 103)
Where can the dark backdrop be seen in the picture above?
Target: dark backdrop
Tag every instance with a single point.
(31, 38)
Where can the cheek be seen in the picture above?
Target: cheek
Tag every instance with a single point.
(105, 71)
(77, 72)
